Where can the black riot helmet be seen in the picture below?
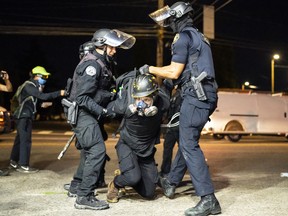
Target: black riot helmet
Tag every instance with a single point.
(168, 15)
(85, 48)
(144, 85)
(114, 38)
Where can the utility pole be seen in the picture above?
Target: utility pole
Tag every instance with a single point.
(160, 36)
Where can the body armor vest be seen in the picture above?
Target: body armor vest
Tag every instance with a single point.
(105, 77)
(199, 58)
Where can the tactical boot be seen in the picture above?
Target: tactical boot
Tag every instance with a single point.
(168, 188)
(112, 194)
(206, 206)
(90, 202)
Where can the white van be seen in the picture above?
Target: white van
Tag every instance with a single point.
(247, 113)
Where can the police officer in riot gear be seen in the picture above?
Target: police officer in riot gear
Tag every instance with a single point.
(142, 106)
(91, 91)
(191, 68)
(84, 49)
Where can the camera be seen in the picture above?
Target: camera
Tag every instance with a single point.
(2, 73)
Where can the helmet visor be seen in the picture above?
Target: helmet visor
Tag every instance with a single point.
(160, 16)
(120, 39)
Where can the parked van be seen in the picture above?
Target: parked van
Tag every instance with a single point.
(248, 113)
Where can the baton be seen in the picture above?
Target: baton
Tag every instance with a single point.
(66, 146)
(170, 124)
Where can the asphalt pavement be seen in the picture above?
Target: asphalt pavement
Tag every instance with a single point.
(246, 176)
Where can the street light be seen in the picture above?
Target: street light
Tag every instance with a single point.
(245, 84)
(275, 57)
(248, 85)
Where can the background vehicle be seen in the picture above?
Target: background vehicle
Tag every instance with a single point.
(246, 113)
(6, 122)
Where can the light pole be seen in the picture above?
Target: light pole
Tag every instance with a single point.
(245, 84)
(275, 57)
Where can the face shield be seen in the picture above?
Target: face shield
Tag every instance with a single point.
(161, 16)
(120, 39)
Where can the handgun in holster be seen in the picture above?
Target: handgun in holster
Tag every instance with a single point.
(71, 110)
(197, 85)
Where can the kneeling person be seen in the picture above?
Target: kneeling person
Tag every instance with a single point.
(142, 106)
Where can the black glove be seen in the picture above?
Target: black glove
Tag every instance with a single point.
(108, 113)
(144, 69)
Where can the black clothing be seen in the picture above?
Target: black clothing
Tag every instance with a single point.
(23, 141)
(138, 172)
(91, 76)
(77, 178)
(170, 140)
(135, 148)
(172, 134)
(23, 117)
(29, 108)
(140, 132)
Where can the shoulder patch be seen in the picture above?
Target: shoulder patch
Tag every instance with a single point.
(177, 36)
(90, 70)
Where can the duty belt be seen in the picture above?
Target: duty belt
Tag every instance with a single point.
(187, 84)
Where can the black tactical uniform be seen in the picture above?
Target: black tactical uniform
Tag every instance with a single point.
(91, 92)
(89, 79)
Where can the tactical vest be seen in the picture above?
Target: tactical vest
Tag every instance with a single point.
(105, 77)
(198, 57)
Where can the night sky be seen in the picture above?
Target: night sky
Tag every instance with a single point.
(247, 34)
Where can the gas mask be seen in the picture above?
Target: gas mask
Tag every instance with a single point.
(143, 109)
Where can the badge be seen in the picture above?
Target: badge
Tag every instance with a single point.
(177, 36)
(90, 70)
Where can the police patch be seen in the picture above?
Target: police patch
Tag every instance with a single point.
(90, 70)
(177, 36)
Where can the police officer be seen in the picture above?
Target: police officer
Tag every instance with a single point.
(91, 91)
(25, 114)
(191, 68)
(139, 133)
(84, 49)
(172, 133)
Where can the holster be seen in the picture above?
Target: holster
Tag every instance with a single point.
(199, 90)
(70, 110)
(195, 82)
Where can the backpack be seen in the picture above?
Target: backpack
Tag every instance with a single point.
(15, 102)
(124, 83)
(123, 79)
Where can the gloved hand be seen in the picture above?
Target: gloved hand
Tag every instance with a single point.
(144, 69)
(108, 113)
